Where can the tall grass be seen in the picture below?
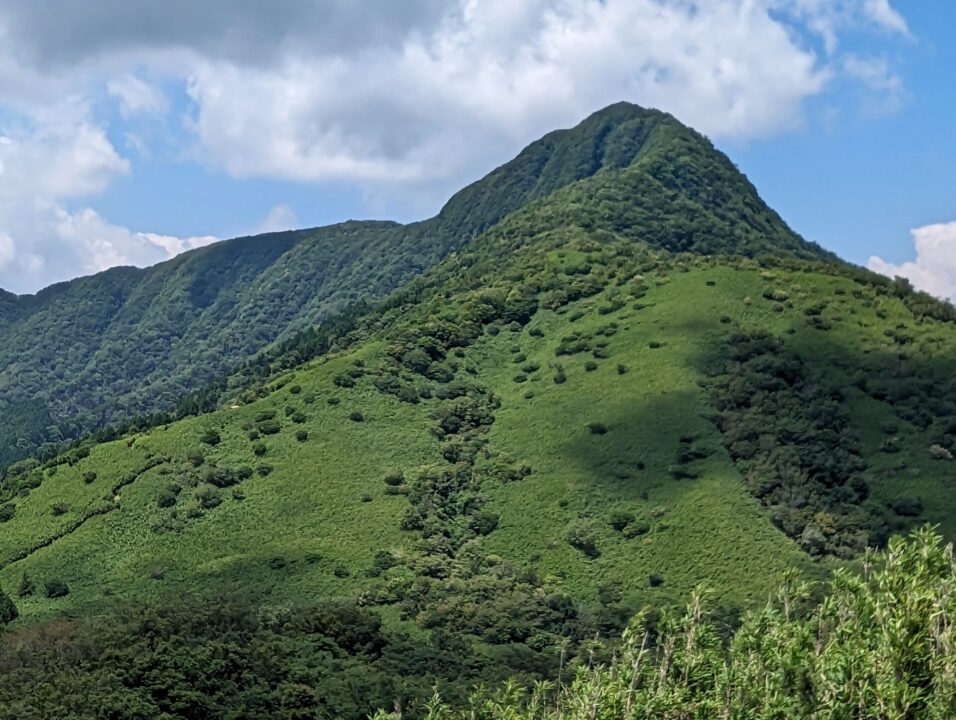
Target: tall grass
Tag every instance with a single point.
(879, 645)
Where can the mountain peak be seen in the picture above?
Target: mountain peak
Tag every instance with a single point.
(639, 172)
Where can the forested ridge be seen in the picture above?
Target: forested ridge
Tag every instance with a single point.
(96, 351)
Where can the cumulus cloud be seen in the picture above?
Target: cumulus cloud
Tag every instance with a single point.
(934, 269)
(57, 156)
(415, 97)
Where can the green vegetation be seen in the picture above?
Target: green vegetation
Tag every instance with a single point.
(703, 398)
(879, 645)
(104, 349)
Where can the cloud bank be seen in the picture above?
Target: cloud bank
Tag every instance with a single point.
(414, 97)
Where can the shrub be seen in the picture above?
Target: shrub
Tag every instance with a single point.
(56, 588)
(596, 428)
(209, 497)
(581, 537)
(559, 376)
(195, 458)
(333, 401)
(89, 477)
(264, 470)
(60, 508)
(254, 435)
(299, 418)
(520, 378)
(269, 427)
(394, 477)
(210, 437)
(590, 366)
(260, 449)
(166, 499)
(484, 522)
(8, 611)
(653, 344)
(620, 519)
(655, 581)
(356, 416)
(621, 368)
(295, 389)
(7, 512)
(636, 530)
(221, 477)
(302, 435)
(27, 586)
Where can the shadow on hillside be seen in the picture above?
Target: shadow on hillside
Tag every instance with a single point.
(897, 380)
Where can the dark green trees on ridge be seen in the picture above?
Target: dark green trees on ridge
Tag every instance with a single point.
(99, 350)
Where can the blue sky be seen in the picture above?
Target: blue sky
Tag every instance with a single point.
(131, 131)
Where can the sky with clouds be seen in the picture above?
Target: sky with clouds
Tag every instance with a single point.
(131, 131)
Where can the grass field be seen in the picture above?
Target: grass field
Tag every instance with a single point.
(311, 527)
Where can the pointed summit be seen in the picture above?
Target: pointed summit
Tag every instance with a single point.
(641, 173)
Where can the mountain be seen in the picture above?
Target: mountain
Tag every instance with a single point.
(96, 351)
(635, 381)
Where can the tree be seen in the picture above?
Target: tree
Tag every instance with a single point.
(27, 586)
(8, 611)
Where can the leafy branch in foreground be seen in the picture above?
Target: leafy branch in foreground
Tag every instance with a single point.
(880, 645)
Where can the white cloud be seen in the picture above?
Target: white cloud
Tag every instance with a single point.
(409, 100)
(934, 269)
(887, 91)
(57, 156)
(494, 74)
(880, 12)
(829, 18)
(280, 217)
(136, 96)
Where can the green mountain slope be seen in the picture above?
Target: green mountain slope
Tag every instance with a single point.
(550, 429)
(592, 406)
(94, 351)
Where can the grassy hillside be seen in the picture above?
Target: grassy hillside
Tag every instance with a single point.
(98, 350)
(542, 435)
(631, 385)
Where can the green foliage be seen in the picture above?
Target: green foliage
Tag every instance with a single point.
(56, 588)
(877, 645)
(791, 436)
(8, 611)
(581, 537)
(140, 339)
(497, 569)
